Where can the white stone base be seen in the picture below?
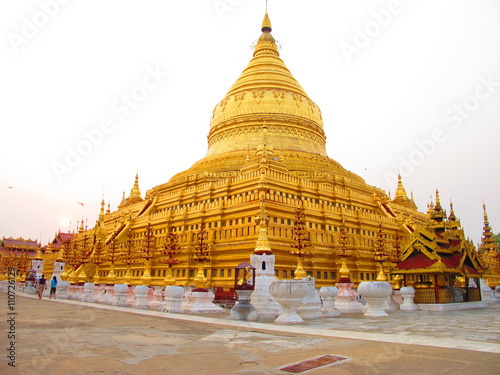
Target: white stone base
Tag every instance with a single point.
(141, 297)
(311, 305)
(289, 294)
(329, 295)
(200, 303)
(174, 297)
(120, 295)
(243, 310)
(88, 292)
(375, 293)
(346, 301)
(452, 306)
(157, 301)
(29, 289)
(62, 289)
(266, 306)
(390, 304)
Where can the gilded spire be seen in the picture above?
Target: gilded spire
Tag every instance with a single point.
(38, 255)
(101, 213)
(437, 213)
(262, 245)
(266, 24)
(487, 241)
(266, 43)
(452, 216)
(430, 207)
(401, 197)
(135, 192)
(438, 201)
(400, 191)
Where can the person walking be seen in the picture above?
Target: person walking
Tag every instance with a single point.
(41, 286)
(53, 286)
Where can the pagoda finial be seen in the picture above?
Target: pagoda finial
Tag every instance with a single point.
(437, 213)
(400, 191)
(430, 207)
(488, 243)
(135, 192)
(452, 216)
(262, 220)
(438, 201)
(266, 43)
(401, 197)
(101, 213)
(266, 24)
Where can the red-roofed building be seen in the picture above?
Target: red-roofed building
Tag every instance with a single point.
(439, 262)
(18, 246)
(53, 252)
(18, 253)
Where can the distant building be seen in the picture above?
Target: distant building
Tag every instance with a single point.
(18, 254)
(19, 246)
(440, 262)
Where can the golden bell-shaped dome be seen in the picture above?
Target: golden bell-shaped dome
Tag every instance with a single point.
(266, 119)
(267, 94)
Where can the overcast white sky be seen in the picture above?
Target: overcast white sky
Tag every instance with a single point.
(408, 85)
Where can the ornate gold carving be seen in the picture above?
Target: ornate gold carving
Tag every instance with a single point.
(297, 98)
(258, 95)
(287, 131)
(223, 104)
(279, 96)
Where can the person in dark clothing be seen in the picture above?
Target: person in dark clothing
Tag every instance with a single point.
(42, 285)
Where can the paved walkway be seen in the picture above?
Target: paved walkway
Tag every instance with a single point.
(70, 337)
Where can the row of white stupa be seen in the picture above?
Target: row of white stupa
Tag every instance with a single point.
(282, 301)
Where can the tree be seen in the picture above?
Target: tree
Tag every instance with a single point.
(496, 237)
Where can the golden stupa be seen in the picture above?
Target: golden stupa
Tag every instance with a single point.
(266, 144)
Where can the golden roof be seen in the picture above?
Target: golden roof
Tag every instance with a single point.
(266, 107)
(266, 93)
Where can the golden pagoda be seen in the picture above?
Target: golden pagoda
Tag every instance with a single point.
(266, 144)
(490, 253)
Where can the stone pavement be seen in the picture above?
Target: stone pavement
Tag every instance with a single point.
(70, 337)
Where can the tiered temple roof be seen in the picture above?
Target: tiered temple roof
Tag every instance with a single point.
(439, 246)
(18, 245)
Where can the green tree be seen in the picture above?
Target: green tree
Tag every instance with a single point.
(496, 237)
